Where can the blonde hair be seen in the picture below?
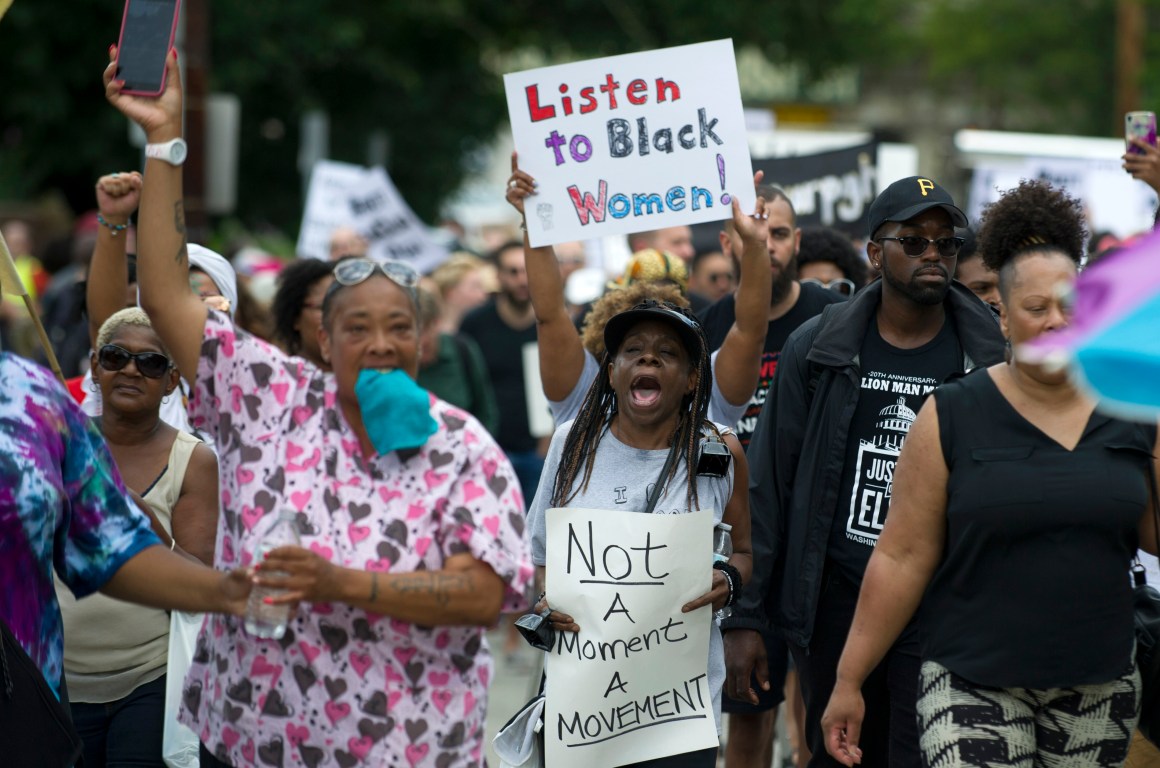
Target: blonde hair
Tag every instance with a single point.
(451, 272)
(129, 317)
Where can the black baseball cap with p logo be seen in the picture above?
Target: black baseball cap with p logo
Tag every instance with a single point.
(906, 198)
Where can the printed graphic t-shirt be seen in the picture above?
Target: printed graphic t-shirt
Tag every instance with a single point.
(894, 385)
(719, 318)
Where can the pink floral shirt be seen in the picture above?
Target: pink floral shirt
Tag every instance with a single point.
(345, 687)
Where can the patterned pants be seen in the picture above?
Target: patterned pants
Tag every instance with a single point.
(963, 724)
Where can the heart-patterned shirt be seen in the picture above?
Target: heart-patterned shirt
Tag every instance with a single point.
(345, 687)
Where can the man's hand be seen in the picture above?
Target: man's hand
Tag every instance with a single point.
(745, 657)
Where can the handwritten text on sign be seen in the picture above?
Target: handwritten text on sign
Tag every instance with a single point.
(632, 684)
(631, 143)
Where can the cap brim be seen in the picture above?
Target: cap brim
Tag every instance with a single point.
(619, 325)
(958, 218)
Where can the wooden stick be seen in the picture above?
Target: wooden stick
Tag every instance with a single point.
(52, 361)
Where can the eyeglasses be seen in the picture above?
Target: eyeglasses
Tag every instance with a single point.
(152, 365)
(354, 271)
(840, 285)
(914, 246)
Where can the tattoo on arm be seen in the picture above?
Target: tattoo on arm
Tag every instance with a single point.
(179, 225)
(440, 586)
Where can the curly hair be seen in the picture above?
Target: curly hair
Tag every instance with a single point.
(599, 408)
(620, 300)
(1034, 217)
(294, 284)
(828, 244)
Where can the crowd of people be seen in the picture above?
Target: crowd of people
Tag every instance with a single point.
(931, 537)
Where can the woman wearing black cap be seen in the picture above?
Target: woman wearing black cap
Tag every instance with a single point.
(649, 404)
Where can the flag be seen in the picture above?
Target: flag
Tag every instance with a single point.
(9, 278)
(4, 6)
(1112, 346)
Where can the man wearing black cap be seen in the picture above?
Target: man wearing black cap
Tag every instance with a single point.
(848, 385)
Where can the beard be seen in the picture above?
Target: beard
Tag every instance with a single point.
(783, 282)
(916, 291)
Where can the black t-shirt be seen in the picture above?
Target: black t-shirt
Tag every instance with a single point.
(895, 383)
(719, 318)
(1032, 590)
(502, 349)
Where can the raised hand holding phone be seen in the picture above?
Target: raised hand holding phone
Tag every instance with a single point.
(159, 116)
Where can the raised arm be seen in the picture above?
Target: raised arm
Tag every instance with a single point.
(901, 567)
(162, 261)
(739, 361)
(117, 197)
(561, 351)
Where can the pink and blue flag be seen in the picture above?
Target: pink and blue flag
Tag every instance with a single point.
(1112, 346)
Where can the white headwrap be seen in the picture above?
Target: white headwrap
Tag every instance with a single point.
(218, 269)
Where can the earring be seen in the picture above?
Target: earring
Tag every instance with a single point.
(612, 400)
(93, 385)
(1007, 353)
(165, 400)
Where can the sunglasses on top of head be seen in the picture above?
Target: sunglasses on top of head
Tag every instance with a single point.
(840, 285)
(152, 365)
(914, 246)
(354, 271)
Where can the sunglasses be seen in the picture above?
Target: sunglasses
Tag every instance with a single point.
(840, 285)
(914, 246)
(152, 365)
(354, 271)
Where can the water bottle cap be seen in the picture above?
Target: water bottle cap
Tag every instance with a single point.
(725, 526)
(287, 514)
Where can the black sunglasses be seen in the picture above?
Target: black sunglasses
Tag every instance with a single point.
(914, 246)
(152, 365)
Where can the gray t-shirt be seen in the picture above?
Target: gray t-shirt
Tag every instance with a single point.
(621, 476)
(721, 411)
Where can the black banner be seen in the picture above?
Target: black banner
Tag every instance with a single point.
(832, 189)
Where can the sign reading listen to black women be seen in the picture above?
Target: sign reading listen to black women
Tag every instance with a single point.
(631, 143)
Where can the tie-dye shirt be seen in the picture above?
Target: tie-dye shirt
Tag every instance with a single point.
(62, 506)
(345, 687)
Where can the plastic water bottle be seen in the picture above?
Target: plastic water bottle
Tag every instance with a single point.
(264, 620)
(722, 551)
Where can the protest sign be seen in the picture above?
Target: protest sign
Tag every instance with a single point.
(631, 143)
(632, 684)
(364, 199)
(830, 189)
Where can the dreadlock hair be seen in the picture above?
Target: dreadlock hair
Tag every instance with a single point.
(600, 406)
(1035, 217)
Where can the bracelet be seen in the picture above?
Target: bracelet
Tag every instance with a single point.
(733, 578)
(374, 585)
(114, 228)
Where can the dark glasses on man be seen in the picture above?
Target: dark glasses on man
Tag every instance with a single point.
(152, 365)
(840, 285)
(354, 271)
(914, 246)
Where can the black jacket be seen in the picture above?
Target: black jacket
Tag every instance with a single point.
(799, 449)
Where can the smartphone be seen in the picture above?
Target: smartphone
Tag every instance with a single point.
(1142, 126)
(148, 29)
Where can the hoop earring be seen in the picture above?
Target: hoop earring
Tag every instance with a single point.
(165, 400)
(93, 385)
(1007, 351)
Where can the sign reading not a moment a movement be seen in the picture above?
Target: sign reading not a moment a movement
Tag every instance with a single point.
(365, 200)
(632, 684)
(631, 143)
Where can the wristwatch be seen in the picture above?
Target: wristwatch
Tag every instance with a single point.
(172, 151)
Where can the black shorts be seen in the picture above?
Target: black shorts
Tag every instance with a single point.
(777, 655)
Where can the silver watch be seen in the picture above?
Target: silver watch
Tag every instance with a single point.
(172, 151)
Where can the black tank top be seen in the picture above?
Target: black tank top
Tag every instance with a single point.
(1033, 590)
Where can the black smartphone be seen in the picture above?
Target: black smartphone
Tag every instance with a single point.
(148, 29)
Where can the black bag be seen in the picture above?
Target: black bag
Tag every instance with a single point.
(1146, 602)
(36, 730)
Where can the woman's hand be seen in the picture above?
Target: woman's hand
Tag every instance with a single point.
(235, 589)
(118, 195)
(561, 622)
(842, 723)
(519, 186)
(716, 596)
(303, 574)
(1144, 165)
(159, 116)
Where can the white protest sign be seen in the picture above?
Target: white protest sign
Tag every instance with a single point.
(632, 684)
(364, 199)
(631, 143)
